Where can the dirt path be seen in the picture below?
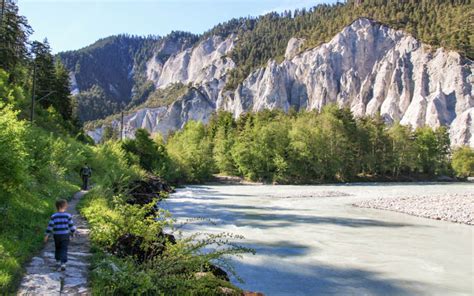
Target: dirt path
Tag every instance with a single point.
(42, 276)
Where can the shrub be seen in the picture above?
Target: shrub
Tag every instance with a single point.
(13, 156)
(463, 162)
(181, 268)
(191, 150)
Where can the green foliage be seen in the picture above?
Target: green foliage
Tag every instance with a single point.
(432, 150)
(308, 147)
(152, 154)
(14, 33)
(14, 151)
(10, 93)
(259, 152)
(94, 103)
(463, 162)
(222, 129)
(191, 150)
(51, 85)
(178, 270)
(403, 149)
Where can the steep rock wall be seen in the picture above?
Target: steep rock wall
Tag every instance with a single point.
(367, 67)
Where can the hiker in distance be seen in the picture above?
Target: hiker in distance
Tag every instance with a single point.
(61, 226)
(86, 173)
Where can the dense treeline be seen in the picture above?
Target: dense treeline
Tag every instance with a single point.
(306, 147)
(446, 23)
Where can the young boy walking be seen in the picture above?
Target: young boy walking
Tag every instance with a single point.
(61, 226)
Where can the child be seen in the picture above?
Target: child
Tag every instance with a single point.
(61, 226)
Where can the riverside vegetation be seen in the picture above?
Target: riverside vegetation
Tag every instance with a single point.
(40, 163)
(31, 180)
(301, 148)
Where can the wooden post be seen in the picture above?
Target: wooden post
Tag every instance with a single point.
(121, 127)
(32, 111)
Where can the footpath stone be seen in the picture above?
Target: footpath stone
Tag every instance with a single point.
(43, 277)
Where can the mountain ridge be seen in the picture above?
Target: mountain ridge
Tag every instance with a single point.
(339, 71)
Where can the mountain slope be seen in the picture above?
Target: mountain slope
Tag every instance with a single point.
(368, 67)
(108, 75)
(111, 74)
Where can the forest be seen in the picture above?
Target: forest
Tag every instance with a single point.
(301, 148)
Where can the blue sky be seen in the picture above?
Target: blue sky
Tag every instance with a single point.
(72, 24)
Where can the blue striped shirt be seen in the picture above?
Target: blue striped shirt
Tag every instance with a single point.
(61, 223)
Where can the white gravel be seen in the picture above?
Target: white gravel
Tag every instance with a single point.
(319, 194)
(458, 208)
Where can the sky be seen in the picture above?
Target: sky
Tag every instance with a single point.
(73, 24)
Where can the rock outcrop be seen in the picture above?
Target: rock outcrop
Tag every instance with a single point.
(201, 64)
(367, 67)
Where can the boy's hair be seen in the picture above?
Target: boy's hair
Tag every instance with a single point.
(61, 203)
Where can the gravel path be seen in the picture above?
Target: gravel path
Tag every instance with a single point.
(458, 208)
(42, 276)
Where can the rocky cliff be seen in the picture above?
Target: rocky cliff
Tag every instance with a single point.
(367, 67)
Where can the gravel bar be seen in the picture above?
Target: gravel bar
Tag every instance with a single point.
(458, 208)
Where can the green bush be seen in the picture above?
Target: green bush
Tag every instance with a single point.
(191, 151)
(13, 156)
(150, 153)
(463, 162)
(178, 270)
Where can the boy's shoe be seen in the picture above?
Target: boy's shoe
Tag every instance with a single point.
(63, 267)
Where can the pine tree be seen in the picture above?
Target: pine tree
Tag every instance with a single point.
(14, 33)
(61, 98)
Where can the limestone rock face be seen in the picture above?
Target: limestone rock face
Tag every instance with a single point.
(367, 67)
(294, 47)
(197, 65)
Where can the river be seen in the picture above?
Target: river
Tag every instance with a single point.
(310, 240)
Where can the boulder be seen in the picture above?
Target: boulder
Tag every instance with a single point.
(143, 192)
(130, 245)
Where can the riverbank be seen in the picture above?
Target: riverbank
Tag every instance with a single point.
(238, 180)
(137, 251)
(458, 208)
